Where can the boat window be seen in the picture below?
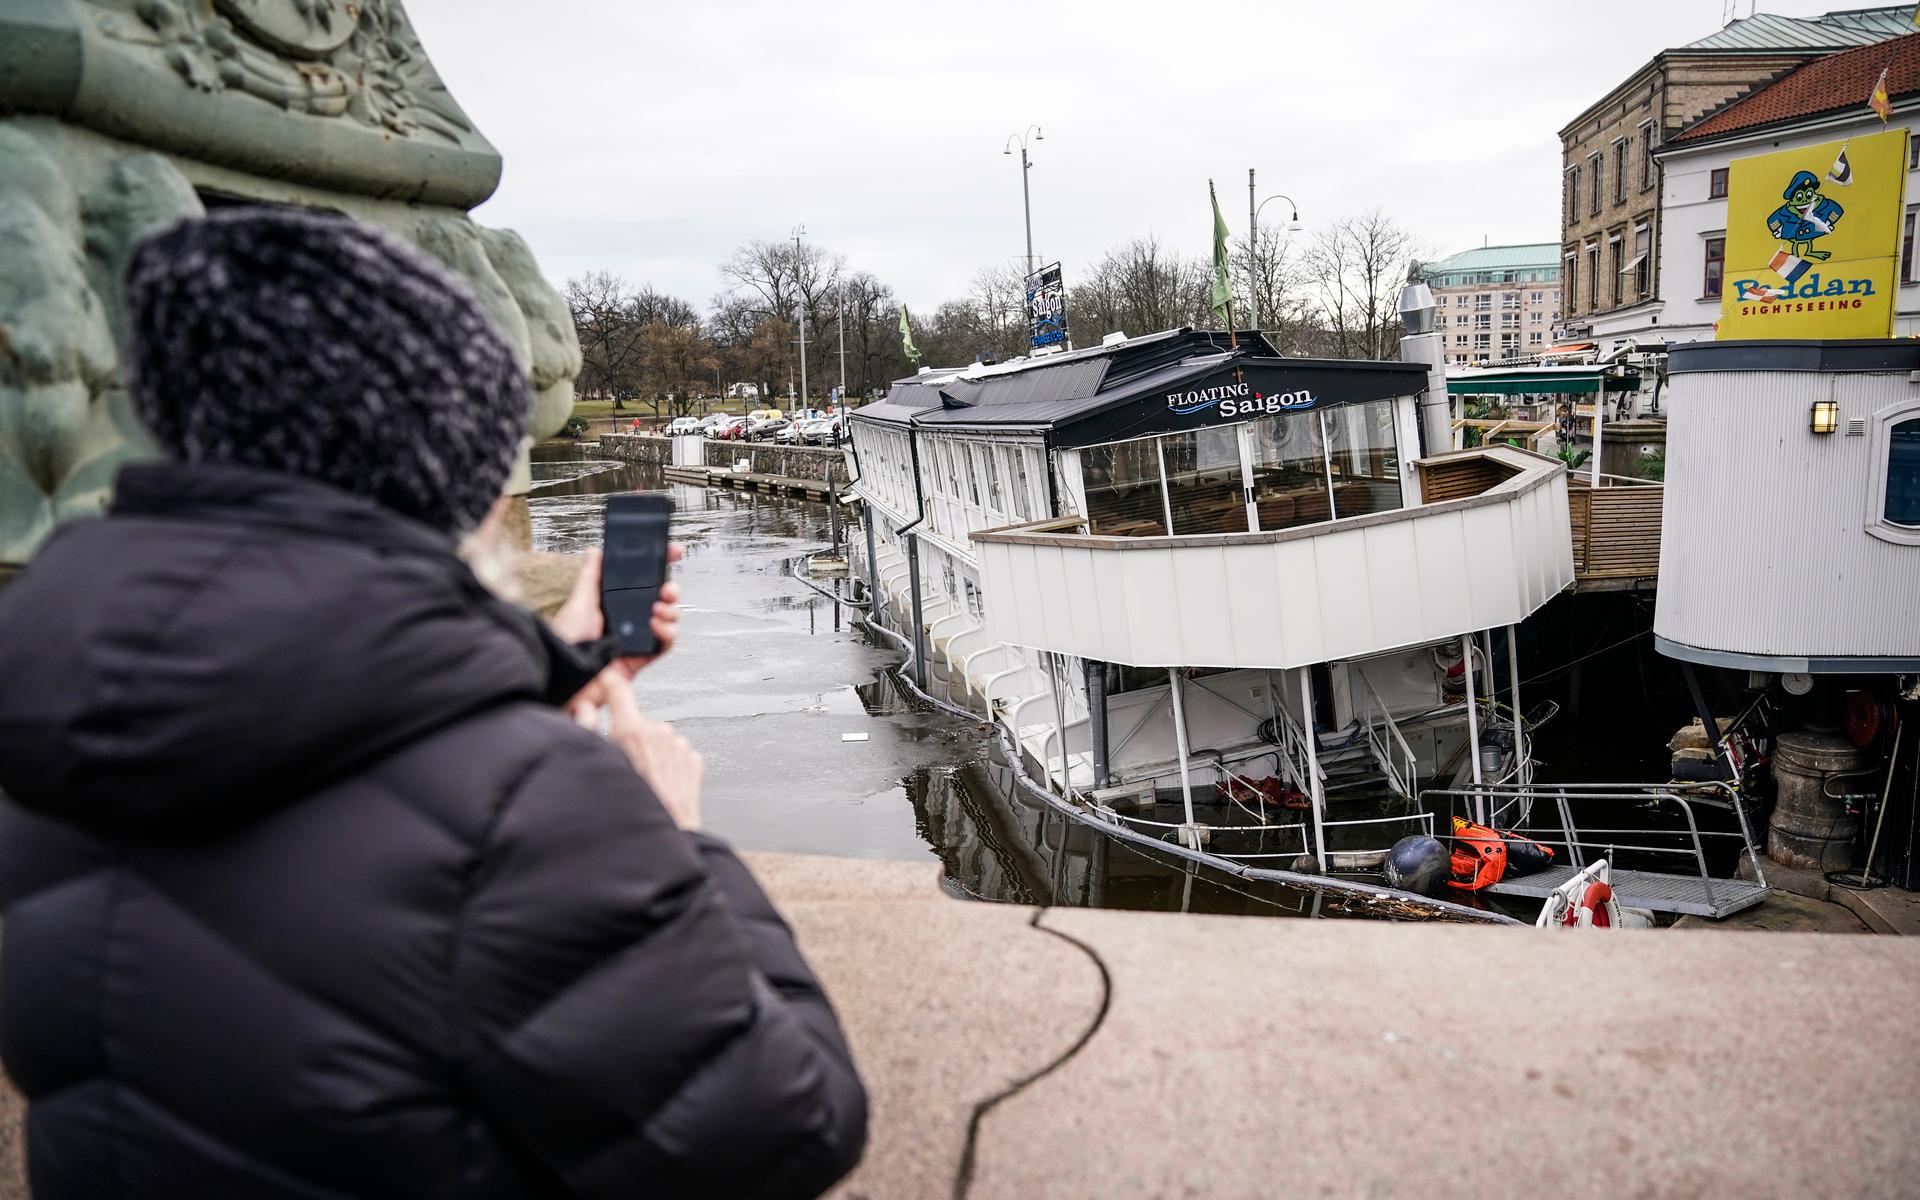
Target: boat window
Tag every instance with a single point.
(1902, 503)
(1122, 483)
(971, 471)
(1022, 496)
(1203, 480)
(1365, 464)
(1289, 470)
(995, 501)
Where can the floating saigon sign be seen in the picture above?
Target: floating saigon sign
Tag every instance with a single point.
(1813, 240)
(1047, 309)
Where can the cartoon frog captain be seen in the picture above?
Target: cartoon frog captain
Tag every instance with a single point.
(1805, 217)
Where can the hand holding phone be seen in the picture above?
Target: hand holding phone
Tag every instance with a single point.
(632, 569)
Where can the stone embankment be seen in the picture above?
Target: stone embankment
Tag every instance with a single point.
(820, 463)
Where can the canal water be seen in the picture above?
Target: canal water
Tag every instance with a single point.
(810, 745)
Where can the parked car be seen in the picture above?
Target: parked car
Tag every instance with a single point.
(729, 429)
(823, 432)
(765, 414)
(790, 436)
(765, 429)
(683, 425)
(713, 421)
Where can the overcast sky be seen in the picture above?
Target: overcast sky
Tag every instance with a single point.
(651, 139)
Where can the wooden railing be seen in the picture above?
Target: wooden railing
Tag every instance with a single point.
(1616, 531)
(1457, 476)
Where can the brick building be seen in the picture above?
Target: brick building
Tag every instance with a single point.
(1496, 302)
(1610, 198)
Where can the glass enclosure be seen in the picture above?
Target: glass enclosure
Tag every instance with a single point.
(1276, 472)
(1289, 460)
(1123, 489)
(1202, 470)
(1363, 463)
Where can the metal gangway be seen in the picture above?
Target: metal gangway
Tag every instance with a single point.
(1689, 888)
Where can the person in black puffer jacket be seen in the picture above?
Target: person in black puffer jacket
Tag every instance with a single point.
(312, 887)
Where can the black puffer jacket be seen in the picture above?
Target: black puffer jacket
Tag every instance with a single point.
(308, 891)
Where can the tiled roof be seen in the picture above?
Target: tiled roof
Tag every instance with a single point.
(1829, 31)
(1824, 85)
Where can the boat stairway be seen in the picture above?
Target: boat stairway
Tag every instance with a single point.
(1654, 829)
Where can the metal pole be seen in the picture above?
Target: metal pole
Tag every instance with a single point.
(919, 624)
(1097, 719)
(1473, 726)
(1313, 769)
(1522, 757)
(1060, 731)
(1253, 249)
(802, 308)
(1026, 201)
(1180, 741)
(841, 308)
(876, 597)
(1599, 403)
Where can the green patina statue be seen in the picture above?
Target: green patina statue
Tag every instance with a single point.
(118, 117)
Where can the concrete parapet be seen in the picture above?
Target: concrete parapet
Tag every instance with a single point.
(1070, 1052)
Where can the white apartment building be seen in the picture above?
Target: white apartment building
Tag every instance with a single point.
(1496, 302)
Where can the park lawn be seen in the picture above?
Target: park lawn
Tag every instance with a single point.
(644, 410)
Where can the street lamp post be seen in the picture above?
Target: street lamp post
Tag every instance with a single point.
(1253, 244)
(1026, 200)
(800, 231)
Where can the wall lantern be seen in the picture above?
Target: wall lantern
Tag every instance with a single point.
(1826, 416)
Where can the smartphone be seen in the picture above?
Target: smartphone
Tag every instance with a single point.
(632, 568)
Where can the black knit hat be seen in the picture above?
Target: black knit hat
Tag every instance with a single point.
(309, 343)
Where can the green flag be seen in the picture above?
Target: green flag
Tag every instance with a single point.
(1222, 289)
(906, 338)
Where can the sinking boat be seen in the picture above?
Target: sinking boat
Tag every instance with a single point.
(1191, 578)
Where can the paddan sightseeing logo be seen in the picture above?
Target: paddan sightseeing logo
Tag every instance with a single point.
(1813, 240)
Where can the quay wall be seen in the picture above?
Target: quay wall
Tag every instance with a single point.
(821, 463)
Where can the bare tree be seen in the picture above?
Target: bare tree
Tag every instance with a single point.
(1140, 287)
(601, 303)
(781, 280)
(1355, 268)
(1272, 274)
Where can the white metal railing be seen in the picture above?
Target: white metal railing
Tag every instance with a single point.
(1402, 773)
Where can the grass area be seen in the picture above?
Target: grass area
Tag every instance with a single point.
(644, 411)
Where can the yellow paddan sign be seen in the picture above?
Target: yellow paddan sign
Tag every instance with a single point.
(1813, 240)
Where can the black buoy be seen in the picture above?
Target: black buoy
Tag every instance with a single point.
(1418, 863)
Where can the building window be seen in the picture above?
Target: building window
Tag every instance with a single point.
(1643, 260)
(1615, 257)
(1906, 248)
(1647, 164)
(1481, 341)
(1717, 184)
(1570, 285)
(1533, 339)
(1913, 154)
(1894, 490)
(1714, 277)
(1573, 194)
(1598, 167)
(1620, 169)
(1593, 275)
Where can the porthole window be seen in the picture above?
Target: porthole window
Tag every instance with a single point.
(1893, 500)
